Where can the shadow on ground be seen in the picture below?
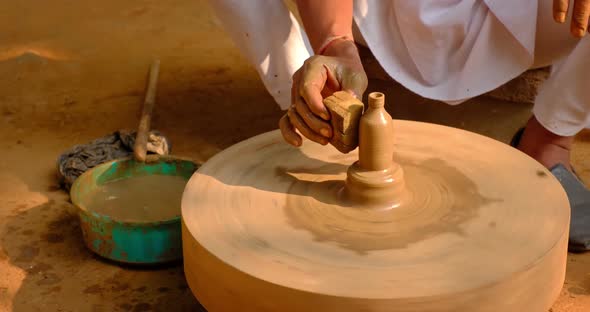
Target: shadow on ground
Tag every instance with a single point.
(46, 242)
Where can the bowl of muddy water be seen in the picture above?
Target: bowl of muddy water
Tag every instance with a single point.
(130, 211)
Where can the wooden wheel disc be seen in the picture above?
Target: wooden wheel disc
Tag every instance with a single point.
(485, 229)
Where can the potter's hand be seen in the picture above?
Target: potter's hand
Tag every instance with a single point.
(580, 15)
(339, 68)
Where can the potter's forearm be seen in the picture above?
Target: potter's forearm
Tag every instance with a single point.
(325, 19)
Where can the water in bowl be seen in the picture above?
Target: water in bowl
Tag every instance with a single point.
(143, 198)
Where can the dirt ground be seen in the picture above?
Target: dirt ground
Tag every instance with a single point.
(72, 71)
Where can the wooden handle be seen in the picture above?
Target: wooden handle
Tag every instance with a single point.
(140, 148)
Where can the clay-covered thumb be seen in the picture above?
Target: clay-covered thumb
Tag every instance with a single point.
(355, 82)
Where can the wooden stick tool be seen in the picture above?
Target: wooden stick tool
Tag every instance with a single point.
(141, 140)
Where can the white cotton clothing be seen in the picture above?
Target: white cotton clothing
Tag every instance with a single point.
(447, 50)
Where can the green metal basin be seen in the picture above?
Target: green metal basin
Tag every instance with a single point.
(130, 242)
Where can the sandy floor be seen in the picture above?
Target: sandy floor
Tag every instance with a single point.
(75, 70)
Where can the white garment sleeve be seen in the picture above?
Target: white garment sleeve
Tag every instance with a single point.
(271, 39)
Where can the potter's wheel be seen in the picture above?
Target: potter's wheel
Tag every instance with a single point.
(483, 228)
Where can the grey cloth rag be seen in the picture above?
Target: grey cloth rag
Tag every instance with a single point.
(80, 158)
(579, 198)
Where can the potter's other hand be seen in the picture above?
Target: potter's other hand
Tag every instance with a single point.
(338, 68)
(581, 12)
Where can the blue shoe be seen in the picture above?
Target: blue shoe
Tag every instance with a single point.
(579, 198)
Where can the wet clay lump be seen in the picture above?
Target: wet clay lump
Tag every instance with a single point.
(270, 227)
